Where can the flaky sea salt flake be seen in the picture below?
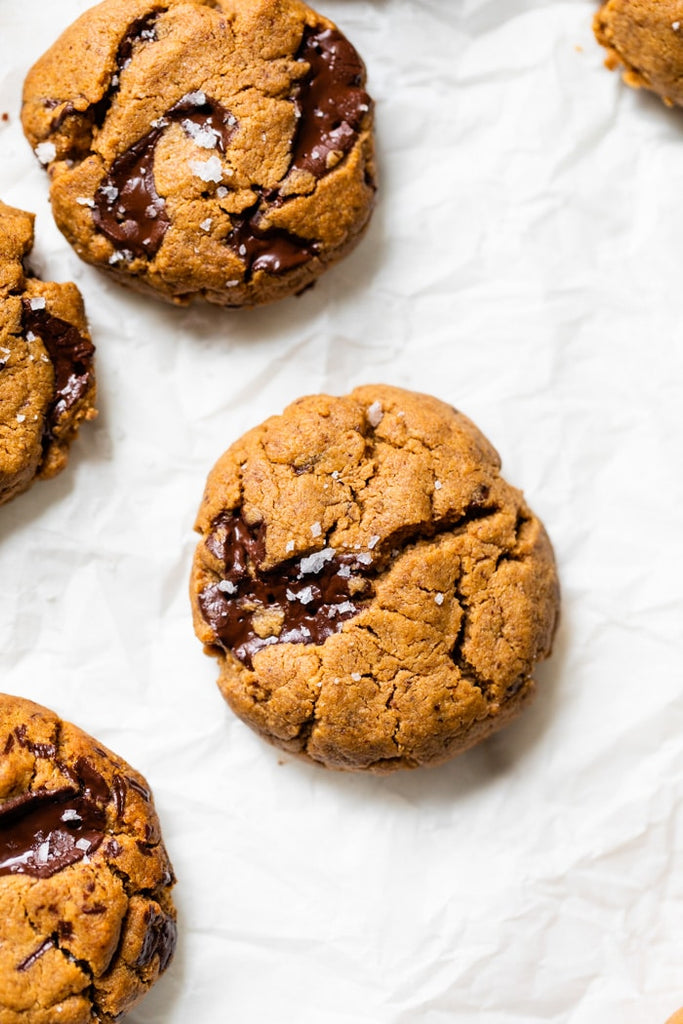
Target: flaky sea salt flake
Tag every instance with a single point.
(206, 224)
(375, 414)
(316, 529)
(20, 417)
(38, 303)
(84, 201)
(226, 587)
(374, 540)
(289, 546)
(46, 152)
(207, 170)
(356, 676)
(315, 562)
(110, 193)
(437, 485)
(439, 599)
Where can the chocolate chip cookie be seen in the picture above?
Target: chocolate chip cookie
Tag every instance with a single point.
(47, 377)
(645, 37)
(220, 149)
(374, 592)
(86, 919)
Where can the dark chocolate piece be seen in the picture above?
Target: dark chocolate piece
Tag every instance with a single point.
(36, 955)
(331, 102)
(128, 208)
(44, 832)
(71, 355)
(312, 596)
(160, 940)
(140, 30)
(271, 249)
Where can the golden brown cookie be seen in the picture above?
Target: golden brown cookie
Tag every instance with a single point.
(86, 918)
(646, 38)
(47, 378)
(375, 594)
(219, 149)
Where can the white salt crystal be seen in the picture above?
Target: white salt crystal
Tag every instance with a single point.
(84, 201)
(373, 541)
(316, 529)
(206, 224)
(375, 414)
(364, 558)
(437, 485)
(46, 152)
(316, 561)
(110, 193)
(206, 138)
(37, 303)
(439, 599)
(289, 546)
(305, 596)
(227, 587)
(207, 170)
(20, 417)
(356, 676)
(197, 99)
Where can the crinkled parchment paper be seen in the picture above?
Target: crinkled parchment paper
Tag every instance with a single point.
(525, 264)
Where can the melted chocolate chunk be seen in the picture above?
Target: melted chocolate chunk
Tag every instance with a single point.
(331, 102)
(71, 355)
(271, 249)
(44, 832)
(26, 964)
(139, 31)
(160, 940)
(128, 208)
(310, 597)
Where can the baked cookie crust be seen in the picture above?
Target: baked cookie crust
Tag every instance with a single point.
(645, 38)
(86, 918)
(220, 149)
(375, 594)
(47, 376)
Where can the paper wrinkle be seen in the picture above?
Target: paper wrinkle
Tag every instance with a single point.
(524, 264)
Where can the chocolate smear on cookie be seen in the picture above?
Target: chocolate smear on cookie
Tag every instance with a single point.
(331, 103)
(302, 601)
(128, 208)
(45, 831)
(273, 250)
(70, 353)
(159, 941)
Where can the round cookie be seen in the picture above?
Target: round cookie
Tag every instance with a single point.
(220, 149)
(86, 919)
(375, 594)
(47, 378)
(646, 38)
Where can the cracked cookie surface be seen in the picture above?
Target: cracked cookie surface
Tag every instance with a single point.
(219, 149)
(86, 918)
(645, 38)
(375, 593)
(47, 377)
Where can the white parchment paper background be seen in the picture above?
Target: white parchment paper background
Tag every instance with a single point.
(525, 263)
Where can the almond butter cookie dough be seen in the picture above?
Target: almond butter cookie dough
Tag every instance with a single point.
(47, 378)
(86, 919)
(220, 149)
(645, 37)
(374, 592)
